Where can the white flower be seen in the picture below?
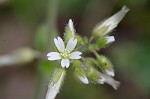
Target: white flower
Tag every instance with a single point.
(65, 53)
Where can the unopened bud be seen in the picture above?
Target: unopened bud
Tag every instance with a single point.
(56, 75)
(69, 31)
(80, 72)
(95, 76)
(55, 83)
(109, 39)
(81, 75)
(102, 42)
(106, 65)
(109, 24)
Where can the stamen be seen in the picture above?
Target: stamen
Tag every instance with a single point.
(65, 54)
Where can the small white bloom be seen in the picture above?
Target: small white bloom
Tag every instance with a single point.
(84, 80)
(109, 39)
(64, 53)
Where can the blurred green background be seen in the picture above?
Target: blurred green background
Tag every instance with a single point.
(130, 53)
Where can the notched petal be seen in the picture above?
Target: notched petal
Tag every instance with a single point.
(53, 56)
(71, 44)
(59, 44)
(75, 55)
(65, 63)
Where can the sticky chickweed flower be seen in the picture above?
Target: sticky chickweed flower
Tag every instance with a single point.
(97, 70)
(64, 53)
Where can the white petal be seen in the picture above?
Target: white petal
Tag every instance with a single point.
(71, 44)
(111, 81)
(59, 44)
(53, 56)
(110, 72)
(70, 24)
(110, 39)
(84, 80)
(102, 80)
(65, 63)
(75, 55)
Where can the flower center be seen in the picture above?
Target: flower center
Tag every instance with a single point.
(65, 54)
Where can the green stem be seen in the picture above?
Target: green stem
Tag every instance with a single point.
(96, 54)
(91, 39)
(52, 12)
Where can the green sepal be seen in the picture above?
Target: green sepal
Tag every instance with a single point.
(82, 43)
(93, 74)
(93, 47)
(101, 42)
(101, 31)
(104, 62)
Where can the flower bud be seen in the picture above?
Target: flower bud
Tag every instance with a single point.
(109, 24)
(95, 76)
(109, 39)
(56, 75)
(106, 65)
(80, 72)
(55, 83)
(69, 31)
(80, 75)
(102, 42)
